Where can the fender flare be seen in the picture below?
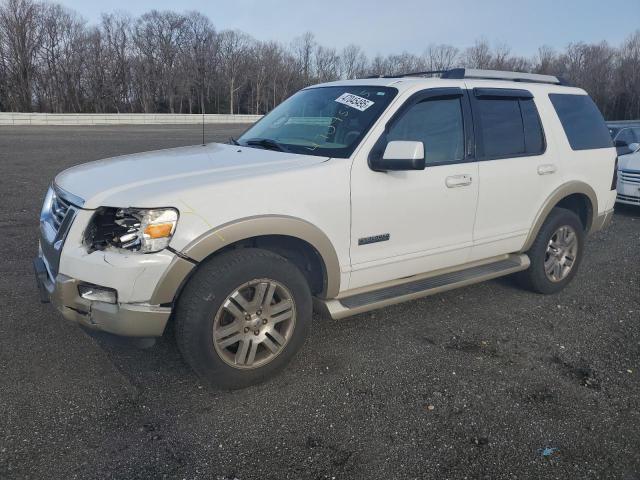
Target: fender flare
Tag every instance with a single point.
(558, 194)
(243, 229)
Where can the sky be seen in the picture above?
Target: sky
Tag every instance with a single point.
(405, 25)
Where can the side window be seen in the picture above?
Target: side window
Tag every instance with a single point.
(533, 136)
(582, 121)
(438, 124)
(508, 127)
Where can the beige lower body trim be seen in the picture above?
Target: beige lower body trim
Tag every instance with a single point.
(258, 226)
(333, 308)
(128, 320)
(170, 282)
(561, 192)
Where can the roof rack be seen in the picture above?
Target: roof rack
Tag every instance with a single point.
(412, 74)
(462, 73)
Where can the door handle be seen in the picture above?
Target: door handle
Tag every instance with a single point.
(546, 169)
(458, 181)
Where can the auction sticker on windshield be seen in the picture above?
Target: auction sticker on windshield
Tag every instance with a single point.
(354, 101)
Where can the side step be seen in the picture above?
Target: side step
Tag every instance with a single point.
(422, 286)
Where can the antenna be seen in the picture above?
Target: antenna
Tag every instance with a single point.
(202, 103)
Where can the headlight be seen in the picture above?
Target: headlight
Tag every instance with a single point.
(135, 229)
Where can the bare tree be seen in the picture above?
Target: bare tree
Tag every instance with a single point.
(440, 57)
(234, 46)
(327, 64)
(546, 61)
(115, 33)
(61, 60)
(303, 48)
(201, 58)
(51, 60)
(479, 55)
(353, 62)
(626, 82)
(22, 33)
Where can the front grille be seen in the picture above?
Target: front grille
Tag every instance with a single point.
(630, 176)
(628, 198)
(59, 210)
(57, 215)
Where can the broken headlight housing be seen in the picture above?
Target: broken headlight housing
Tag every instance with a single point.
(135, 229)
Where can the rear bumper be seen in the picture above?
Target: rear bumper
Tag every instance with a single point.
(125, 319)
(602, 221)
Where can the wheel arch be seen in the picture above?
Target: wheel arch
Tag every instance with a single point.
(291, 237)
(575, 196)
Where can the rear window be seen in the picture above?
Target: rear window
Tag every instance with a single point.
(582, 121)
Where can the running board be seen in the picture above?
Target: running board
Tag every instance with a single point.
(421, 286)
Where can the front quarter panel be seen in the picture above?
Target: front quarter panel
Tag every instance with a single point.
(316, 195)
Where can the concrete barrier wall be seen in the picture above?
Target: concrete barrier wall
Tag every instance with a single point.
(8, 118)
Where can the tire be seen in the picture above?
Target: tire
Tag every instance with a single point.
(214, 301)
(536, 278)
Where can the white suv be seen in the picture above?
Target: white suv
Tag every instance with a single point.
(349, 196)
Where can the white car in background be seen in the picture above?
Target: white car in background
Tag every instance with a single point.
(627, 142)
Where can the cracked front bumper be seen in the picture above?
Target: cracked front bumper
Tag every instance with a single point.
(125, 319)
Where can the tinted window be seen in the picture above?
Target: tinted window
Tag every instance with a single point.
(582, 121)
(438, 124)
(501, 130)
(533, 136)
(508, 127)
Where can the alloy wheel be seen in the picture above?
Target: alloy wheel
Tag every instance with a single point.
(254, 324)
(561, 253)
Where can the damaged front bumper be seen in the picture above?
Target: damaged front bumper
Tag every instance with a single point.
(125, 319)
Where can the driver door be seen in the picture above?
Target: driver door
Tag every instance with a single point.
(411, 222)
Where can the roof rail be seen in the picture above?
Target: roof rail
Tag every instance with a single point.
(503, 75)
(412, 74)
(462, 73)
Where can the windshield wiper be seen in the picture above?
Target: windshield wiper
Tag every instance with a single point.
(267, 143)
(233, 141)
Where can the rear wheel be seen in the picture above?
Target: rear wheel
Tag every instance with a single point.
(555, 254)
(242, 317)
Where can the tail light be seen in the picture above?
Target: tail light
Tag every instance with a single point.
(614, 182)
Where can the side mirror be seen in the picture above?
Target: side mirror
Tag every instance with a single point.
(401, 155)
(634, 147)
(621, 144)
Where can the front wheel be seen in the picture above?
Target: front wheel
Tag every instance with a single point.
(555, 254)
(242, 317)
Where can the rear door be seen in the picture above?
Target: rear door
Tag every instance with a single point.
(516, 167)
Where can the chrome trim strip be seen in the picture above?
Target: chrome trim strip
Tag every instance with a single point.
(67, 196)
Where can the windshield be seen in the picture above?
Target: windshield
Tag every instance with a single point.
(323, 121)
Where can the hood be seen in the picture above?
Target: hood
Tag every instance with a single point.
(115, 181)
(629, 162)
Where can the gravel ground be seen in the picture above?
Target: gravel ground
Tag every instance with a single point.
(484, 382)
